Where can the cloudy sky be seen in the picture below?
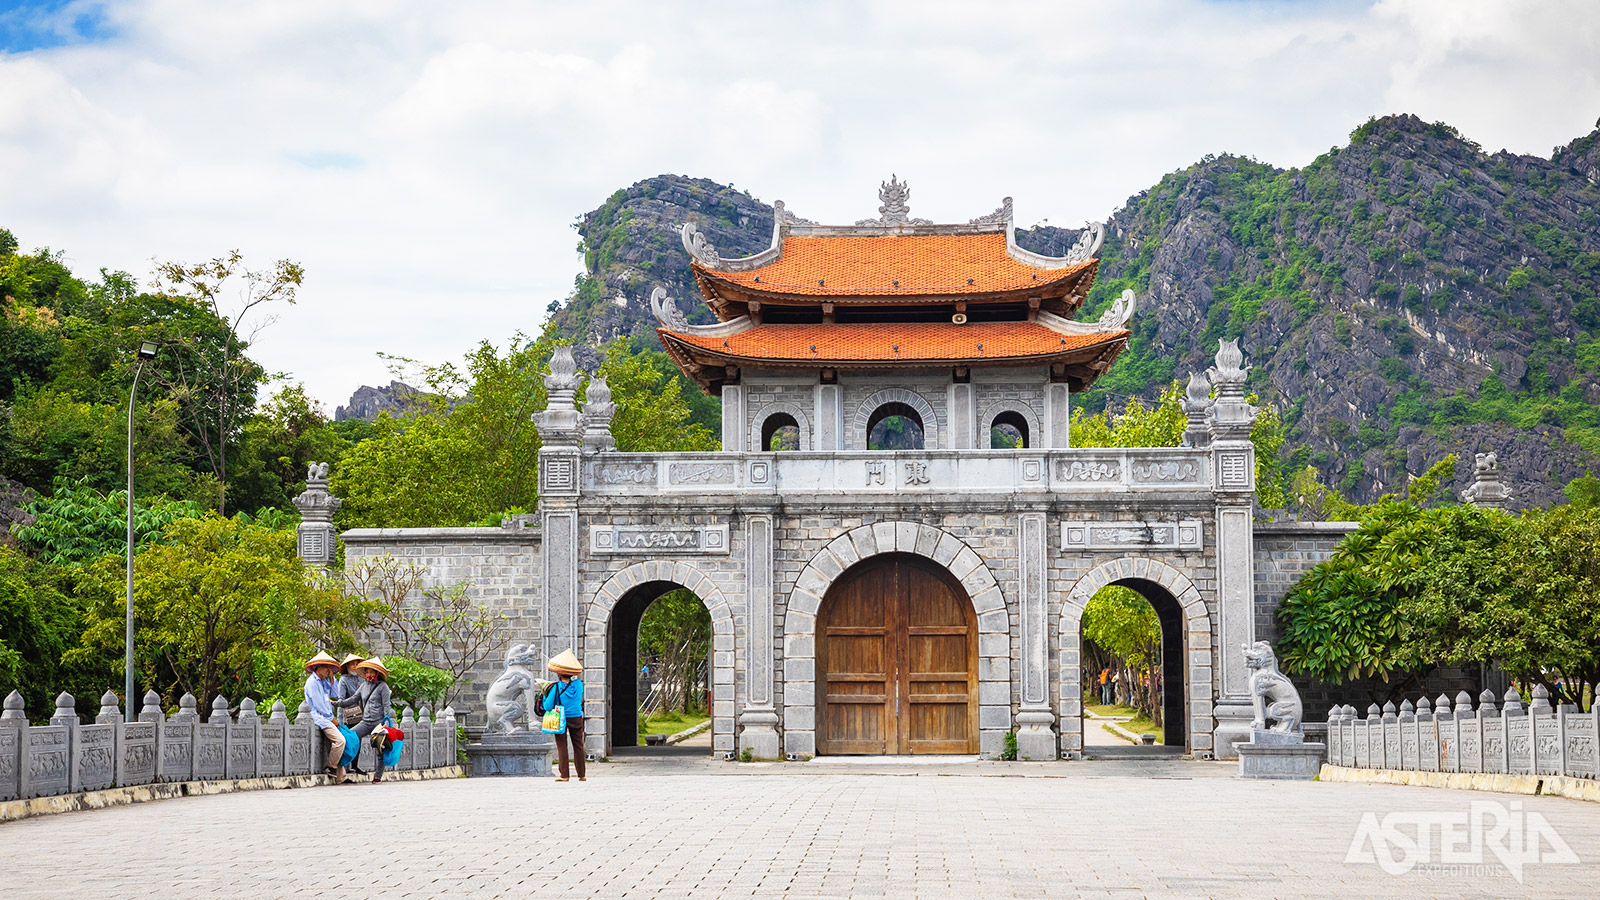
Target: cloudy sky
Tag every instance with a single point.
(425, 160)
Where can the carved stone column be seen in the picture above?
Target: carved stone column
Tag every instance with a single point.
(964, 426)
(1036, 738)
(829, 433)
(1234, 480)
(1057, 416)
(735, 423)
(759, 720)
(559, 461)
(317, 543)
(1197, 409)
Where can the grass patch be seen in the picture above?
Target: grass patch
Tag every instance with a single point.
(1139, 725)
(1112, 710)
(670, 723)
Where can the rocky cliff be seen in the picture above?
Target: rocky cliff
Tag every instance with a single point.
(1403, 297)
(367, 402)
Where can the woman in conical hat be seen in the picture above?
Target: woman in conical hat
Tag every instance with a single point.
(375, 706)
(347, 702)
(569, 693)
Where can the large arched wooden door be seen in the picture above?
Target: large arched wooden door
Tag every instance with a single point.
(897, 661)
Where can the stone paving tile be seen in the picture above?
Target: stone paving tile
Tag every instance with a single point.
(710, 830)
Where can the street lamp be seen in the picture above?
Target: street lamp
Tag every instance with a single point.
(147, 352)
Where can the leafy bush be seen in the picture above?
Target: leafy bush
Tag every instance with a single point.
(417, 683)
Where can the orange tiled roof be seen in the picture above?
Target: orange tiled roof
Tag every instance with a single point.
(896, 342)
(870, 265)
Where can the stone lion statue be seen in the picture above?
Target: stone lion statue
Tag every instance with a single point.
(1277, 703)
(511, 695)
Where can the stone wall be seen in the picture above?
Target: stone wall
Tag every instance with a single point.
(500, 566)
(69, 756)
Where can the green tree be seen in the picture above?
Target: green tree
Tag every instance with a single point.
(1123, 633)
(221, 606)
(676, 631)
(215, 384)
(76, 524)
(38, 623)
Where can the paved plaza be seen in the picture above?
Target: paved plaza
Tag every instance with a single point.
(693, 828)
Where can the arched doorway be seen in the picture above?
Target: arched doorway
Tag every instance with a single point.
(897, 661)
(1162, 677)
(895, 426)
(629, 684)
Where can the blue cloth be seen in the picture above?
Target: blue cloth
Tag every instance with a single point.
(319, 696)
(571, 693)
(391, 755)
(352, 745)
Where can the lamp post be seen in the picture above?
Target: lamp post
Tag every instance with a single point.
(147, 352)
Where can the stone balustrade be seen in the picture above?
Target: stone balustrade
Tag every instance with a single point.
(915, 472)
(68, 756)
(1510, 738)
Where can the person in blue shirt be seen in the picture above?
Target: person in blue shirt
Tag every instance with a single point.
(569, 693)
(320, 691)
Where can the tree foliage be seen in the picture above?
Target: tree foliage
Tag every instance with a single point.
(1415, 588)
(1123, 633)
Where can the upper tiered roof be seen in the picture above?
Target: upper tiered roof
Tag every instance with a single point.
(894, 292)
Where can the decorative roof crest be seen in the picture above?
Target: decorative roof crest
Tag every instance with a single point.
(896, 209)
(699, 248)
(563, 371)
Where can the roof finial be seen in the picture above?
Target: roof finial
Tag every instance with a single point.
(895, 196)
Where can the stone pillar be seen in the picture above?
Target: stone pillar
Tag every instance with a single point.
(559, 474)
(829, 433)
(734, 423)
(964, 425)
(1234, 484)
(1036, 738)
(1487, 489)
(1057, 417)
(13, 726)
(317, 540)
(758, 721)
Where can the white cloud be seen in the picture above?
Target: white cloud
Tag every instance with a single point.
(426, 160)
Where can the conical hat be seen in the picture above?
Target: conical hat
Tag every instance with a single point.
(352, 658)
(565, 663)
(321, 659)
(376, 664)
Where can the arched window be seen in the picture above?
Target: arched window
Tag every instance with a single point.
(894, 426)
(780, 431)
(1008, 431)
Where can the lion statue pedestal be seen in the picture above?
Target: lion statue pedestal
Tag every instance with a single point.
(1277, 748)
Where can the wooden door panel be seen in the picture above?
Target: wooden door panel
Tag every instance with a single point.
(896, 662)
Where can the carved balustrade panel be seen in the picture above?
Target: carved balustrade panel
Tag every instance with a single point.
(94, 757)
(1519, 744)
(1494, 743)
(10, 759)
(210, 751)
(1582, 759)
(298, 750)
(136, 756)
(271, 749)
(46, 761)
(1547, 739)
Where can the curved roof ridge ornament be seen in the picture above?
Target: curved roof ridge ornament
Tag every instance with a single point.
(1087, 247)
(1115, 318)
(1001, 215)
(667, 313)
(699, 247)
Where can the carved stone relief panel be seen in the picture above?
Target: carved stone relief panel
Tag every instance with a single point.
(697, 473)
(657, 540)
(612, 474)
(1168, 471)
(1089, 471)
(1184, 534)
(95, 757)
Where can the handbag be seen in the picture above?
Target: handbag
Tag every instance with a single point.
(555, 717)
(391, 756)
(385, 734)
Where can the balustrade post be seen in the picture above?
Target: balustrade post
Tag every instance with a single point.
(13, 729)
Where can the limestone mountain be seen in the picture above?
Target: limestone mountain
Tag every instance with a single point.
(1402, 297)
(367, 402)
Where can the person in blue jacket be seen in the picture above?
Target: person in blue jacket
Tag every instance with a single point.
(568, 691)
